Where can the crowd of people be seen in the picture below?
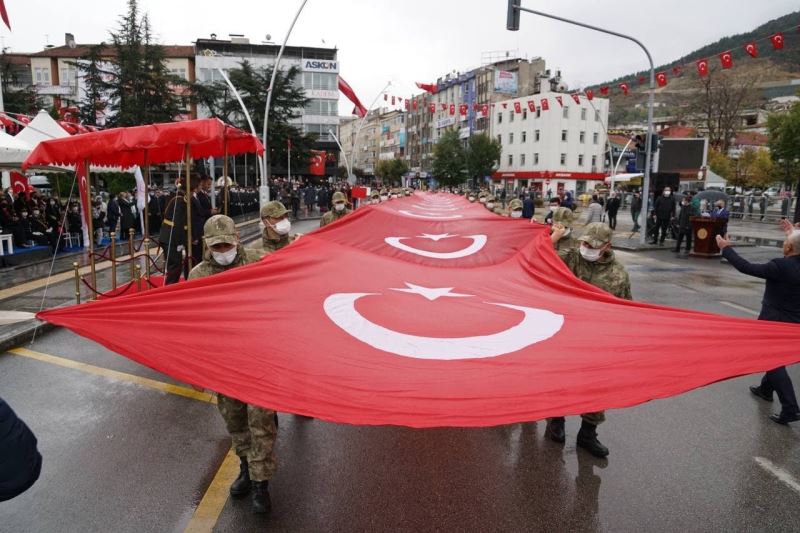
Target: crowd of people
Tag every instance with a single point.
(34, 219)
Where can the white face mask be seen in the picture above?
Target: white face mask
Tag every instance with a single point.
(471, 198)
(394, 196)
(490, 205)
(590, 254)
(483, 200)
(283, 227)
(667, 193)
(384, 198)
(225, 258)
(516, 214)
(338, 207)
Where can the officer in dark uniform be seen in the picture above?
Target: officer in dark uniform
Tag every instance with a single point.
(172, 236)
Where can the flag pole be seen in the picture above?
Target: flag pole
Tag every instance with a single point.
(88, 216)
(188, 239)
(225, 181)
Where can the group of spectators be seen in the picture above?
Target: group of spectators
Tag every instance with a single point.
(303, 196)
(34, 219)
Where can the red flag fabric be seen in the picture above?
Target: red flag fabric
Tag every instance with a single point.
(444, 107)
(348, 91)
(476, 106)
(517, 107)
(413, 104)
(83, 190)
(392, 100)
(462, 110)
(505, 105)
(576, 97)
(409, 105)
(4, 14)
(428, 87)
(604, 90)
(316, 165)
(544, 104)
(777, 41)
(385, 97)
(531, 106)
(676, 70)
(702, 67)
(642, 80)
(661, 79)
(378, 348)
(452, 109)
(560, 101)
(726, 60)
(624, 87)
(484, 110)
(589, 94)
(19, 183)
(432, 107)
(751, 49)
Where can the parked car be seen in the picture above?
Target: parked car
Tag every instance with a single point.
(772, 192)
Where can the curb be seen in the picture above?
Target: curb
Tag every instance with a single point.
(23, 332)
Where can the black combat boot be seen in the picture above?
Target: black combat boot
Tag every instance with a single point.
(587, 439)
(241, 485)
(555, 429)
(261, 501)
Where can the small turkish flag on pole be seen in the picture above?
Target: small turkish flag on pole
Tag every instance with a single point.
(560, 101)
(4, 13)
(517, 107)
(413, 104)
(484, 110)
(531, 106)
(407, 105)
(444, 107)
(505, 105)
(432, 107)
(452, 109)
(642, 79)
(392, 100)
(625, 88)
(726, 60)
(661, 79)
(589, 94)
(751, 49)
(577, 98)
(702, 67)
(777, 40)
(462, 110)
(544, 104)
(604, 91)
(385, 97)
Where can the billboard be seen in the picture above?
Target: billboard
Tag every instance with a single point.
(677, 155)
(505, 82)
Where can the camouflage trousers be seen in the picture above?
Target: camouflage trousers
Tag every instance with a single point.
(592, 418)
(253, 432)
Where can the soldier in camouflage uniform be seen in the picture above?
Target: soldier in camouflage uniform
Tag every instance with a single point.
(563, 216)
(375, 197)
(514, 209)
(277, 226)
(339, 209)
(253, 429)
(593, 262)
(491, 203)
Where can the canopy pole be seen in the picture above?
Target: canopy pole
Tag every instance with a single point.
(225, 182)
(188, 239)
(89, 225)
(146, 197)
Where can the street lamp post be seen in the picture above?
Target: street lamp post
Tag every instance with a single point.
(344, 154)
(264, 188)
(354, 157)
(514, 9)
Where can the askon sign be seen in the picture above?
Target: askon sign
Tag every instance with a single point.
(319, 65)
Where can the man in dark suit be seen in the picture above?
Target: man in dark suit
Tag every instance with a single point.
(781, 303)
(20, 460)
(528, 207)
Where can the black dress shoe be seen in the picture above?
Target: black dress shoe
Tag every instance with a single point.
(555, 430)
(761, 394)
(784, 419)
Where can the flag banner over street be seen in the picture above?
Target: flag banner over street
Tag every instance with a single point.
(425, 311)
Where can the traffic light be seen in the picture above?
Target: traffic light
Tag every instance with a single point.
(512, 22)
(655, 142)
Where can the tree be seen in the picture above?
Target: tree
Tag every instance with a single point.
(721, 164)
(391, 170)
(16, 98)
(252, 83)
(93, 102)
(483, 155)
(784, 144)
(449, 160)
(723, 95)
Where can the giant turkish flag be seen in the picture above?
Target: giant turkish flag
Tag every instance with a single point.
(425, 311)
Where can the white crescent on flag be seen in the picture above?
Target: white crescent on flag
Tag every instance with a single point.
(478, 242)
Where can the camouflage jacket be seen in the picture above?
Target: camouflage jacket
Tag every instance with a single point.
(267, 246)
(567, 242)
(209, 267)
(607, 273)
(333, 216)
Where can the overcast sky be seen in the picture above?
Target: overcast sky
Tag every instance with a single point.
(417, 40)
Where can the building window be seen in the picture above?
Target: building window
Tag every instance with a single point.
(524, 136)
(41, 76)
(536, 136)
(524, 114)
(538, 112)
(522, 160)
(564, 134)
(594, 161)
(563, 159)
(499, 139)
(499, 118)
(565, 112)
(536, 158)
(580, 160)
(583, 113)
(595, 137)
(510, 160)
(582, 137)
(511, 138)
(596, 114)
(511, 116)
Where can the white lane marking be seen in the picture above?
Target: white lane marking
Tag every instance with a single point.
(778, 472)
(739, 307)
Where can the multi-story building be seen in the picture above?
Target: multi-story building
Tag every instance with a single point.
(382, 136)
(56, 77)
(319, 71)
(559, 148)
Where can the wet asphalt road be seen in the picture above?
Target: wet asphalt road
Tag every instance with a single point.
(122, 457)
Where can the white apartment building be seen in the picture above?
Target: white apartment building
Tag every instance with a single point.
(561, 149)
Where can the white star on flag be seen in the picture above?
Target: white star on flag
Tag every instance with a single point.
(435, 238)
(432, 293)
